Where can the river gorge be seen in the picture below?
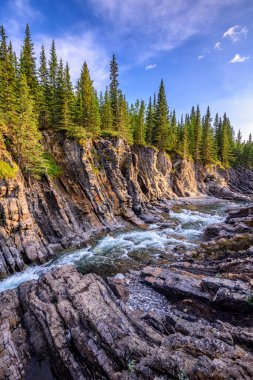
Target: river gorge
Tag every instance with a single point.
(130, 265)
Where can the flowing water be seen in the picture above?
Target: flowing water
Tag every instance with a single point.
(133, 248)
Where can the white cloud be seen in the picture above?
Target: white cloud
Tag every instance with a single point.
(160, 25)
(201, 57)
(23, 8)
(76, 49)
(236, 33)
(239, 59)
(72, 48)
(150, 67)
(217, 46)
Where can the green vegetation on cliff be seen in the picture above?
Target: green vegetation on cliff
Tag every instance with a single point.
(34, 99)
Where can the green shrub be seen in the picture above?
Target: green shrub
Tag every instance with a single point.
(51, 168)
(7, 171)
(108, 134)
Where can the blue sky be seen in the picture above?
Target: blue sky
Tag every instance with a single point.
(203, 49)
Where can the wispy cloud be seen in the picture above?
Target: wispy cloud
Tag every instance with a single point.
(200, 57)
(236, 33)
(74, 48)
(149, 21)
(151, 67)
(239, 59)
(23, 8)
(218, 46)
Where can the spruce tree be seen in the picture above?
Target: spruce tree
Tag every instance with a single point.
(139, 133)
(90, 117)
(226, 144)
(53, 70)
(207, 147)
(197, 136)
(28, 63)
(123, 127)
(173, 131)
(26, 136)
(106, 112)
(114, 92)
(8, 83)
(161, 129)
(186, 137)
(43, 94)
(150, 122)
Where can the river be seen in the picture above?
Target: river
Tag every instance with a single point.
(133, 248)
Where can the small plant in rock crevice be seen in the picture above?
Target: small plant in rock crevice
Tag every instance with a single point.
(182, 375)
(250, 299)
(131, 366)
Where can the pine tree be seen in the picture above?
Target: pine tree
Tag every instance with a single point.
(8, 83)
(53, 69)
(106, 112)
(90, 117)
(114, 92)
(28, 63)
(197, 136)
(43, 94)
(173, 131)
(150, 115)
(69, 100)
(139, 133)
(191, 132)
(186, 137)
(26, 136)
(123, 128)
(161, 129)
(207, 139)
(226, 142)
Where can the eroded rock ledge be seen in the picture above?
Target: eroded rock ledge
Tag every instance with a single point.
(104, 184)
(192, 319)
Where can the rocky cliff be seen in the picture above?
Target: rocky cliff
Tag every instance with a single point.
(191, 319)
(104, 184)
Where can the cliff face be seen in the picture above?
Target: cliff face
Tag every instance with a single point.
(191, 319)
(103, 184)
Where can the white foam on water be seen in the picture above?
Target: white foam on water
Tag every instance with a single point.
(189, 216)
(31, 273)
(121, 244)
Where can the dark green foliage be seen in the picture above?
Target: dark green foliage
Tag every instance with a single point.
(150, 118)
(207, 147)
(28, 63)
(162, 124)
(139, 131)
(51, 168)
(106, 112)
(43, 91)
(114, 94)
(44, 98)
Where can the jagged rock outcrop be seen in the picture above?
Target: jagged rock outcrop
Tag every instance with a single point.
(104, 184)
(169, 322)
(184, 181)
(238, 221)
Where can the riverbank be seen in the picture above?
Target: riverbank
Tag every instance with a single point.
(190, 318)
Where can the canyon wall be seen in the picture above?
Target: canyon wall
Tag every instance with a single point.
(104, 184)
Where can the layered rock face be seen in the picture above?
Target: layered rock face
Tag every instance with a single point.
(104, 184)
(191, 319)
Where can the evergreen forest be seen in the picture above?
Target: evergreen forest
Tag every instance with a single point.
(39, 96)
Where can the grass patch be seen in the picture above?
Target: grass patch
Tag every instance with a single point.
(51, 168)
(7, 171)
